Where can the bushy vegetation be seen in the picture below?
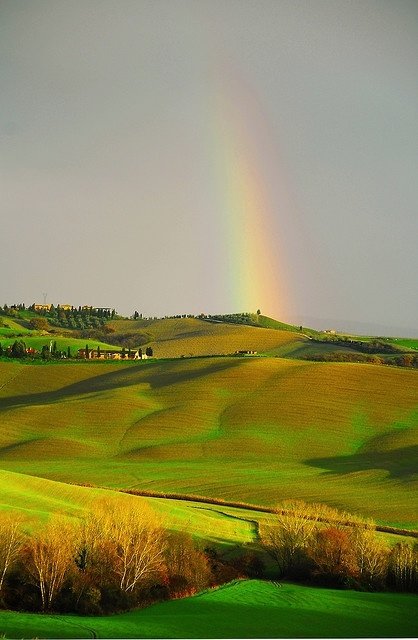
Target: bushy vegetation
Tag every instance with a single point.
(74, 317)
(313, 542)
(113, 560)
(20, 350)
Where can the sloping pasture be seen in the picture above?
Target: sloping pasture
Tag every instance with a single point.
(250, 429)
(37, 499)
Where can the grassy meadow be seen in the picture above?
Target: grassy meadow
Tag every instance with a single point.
(258, 430)
(249, 609)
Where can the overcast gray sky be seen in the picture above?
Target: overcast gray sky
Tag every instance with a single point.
(118, 139)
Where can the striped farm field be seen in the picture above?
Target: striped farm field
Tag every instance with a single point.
(243, 609)
(258, 430)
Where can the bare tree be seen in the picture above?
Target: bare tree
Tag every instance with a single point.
(370, 552)
(129, 538)
(292, 529)
(49, 556)
(403, 565)
(140, 541)
(11, 540)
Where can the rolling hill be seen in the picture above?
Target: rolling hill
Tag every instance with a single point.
(177, 337)
(253, 429)
(170, 337)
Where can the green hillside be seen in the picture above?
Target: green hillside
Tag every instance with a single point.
(176, 337)
(246, 609)
(8, 327)
(253, 429)
(224, 335)
(36, 499)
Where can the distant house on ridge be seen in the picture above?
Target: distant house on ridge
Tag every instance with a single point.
(42, 307)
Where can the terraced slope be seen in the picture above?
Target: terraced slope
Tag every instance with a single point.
(247, 609)
(251, 429)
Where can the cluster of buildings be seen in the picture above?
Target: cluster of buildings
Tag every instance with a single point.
(68, 307)
(111, 354)
(245, 352)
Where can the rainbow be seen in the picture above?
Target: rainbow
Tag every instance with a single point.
(250, 206)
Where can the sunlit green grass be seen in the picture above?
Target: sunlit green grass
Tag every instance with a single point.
(9, 324)
(6, 332)
(37, 499)
(410, 343)
(250, 609)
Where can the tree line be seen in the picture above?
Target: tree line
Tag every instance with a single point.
(313, 542)
(117, 558)
(61, 316)
(121, 556)
(19, 350)
(76, 317)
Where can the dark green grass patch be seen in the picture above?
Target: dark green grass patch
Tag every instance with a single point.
(250, 609)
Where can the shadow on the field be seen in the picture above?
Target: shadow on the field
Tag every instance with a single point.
(156, 375)
(399, 463)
